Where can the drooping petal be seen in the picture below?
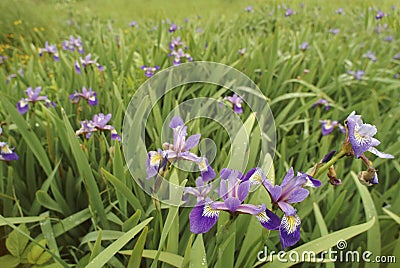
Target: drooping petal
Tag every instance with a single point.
(311, 182)
(191, 142)
(379, 154)
(289, 230)
(23, 106)
(269, 220)
(202, 218)
(207, 172)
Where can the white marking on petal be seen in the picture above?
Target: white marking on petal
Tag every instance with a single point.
(290, 223)
(155, 159)
(209, 212)
(262, 217)
(6, 150)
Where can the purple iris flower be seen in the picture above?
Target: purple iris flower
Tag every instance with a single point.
(87, 129)
(86, 62)
(200, 191)
(6, 154)
(323, 102)
(233, 191)
(33, 97)
(51, 49)
(304, 46)
(335, 31)
(149, 71)
(172, 28)
(290, 191)
(179, 150)
(370, 56)
(357, 75)
(288, 12)
(379, 15)
(88, 94)
(249, 9)
(176, 43)
(236, 103)
(360, 136)
(328, 126)
(73, 43)
(179, 55)
(99, 122)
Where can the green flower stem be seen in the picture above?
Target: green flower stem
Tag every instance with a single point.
(323, 168)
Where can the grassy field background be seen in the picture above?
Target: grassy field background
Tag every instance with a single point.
(76, 197)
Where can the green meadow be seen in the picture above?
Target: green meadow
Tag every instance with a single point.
(69, 197)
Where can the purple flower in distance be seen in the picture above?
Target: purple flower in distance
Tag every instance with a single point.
(361, 138)
(322, 102)
(397, 56)
(33, 97)
(87, 129)
(328, 126)
(172, 28)
(179, 55)
(133, 24)
(242, 51)
(236, 103)
(249, 9)
(73, 43)
(340, 11)
(2, 58)
(334, 31)
(370, 56)
(87, 61)
(200, 191)
(357, 75)
(304, 46)
(288, 12)
(176, 43)
(149, 71)
(379, 15)
(233, 191)
(388, 38)
(290, 191)
(50, 49)
(6, 154)
(87, 94)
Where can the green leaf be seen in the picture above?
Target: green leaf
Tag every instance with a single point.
(36, 251)
(17, 220)
(46, 201)
(395, 217)
(374, 234)
(320, 244)
(110, 251)
(198, 256)
(29, 136)
(170, 258)
(132, 221)
(9, 261)
(17, 241)
(97, 246)
(86, 171)
(137, 251)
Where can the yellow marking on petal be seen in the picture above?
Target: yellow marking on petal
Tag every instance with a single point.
(6, 150)
(203, 165)
(155, 159)
(256, 178)
(209, 212)
(290, 223)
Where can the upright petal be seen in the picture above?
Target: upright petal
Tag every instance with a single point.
(243, 190)
(176, 121)
(297, 195)
(287, 208)
(191, 142)
(289, 175)
(202, 218)
(232, 203)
